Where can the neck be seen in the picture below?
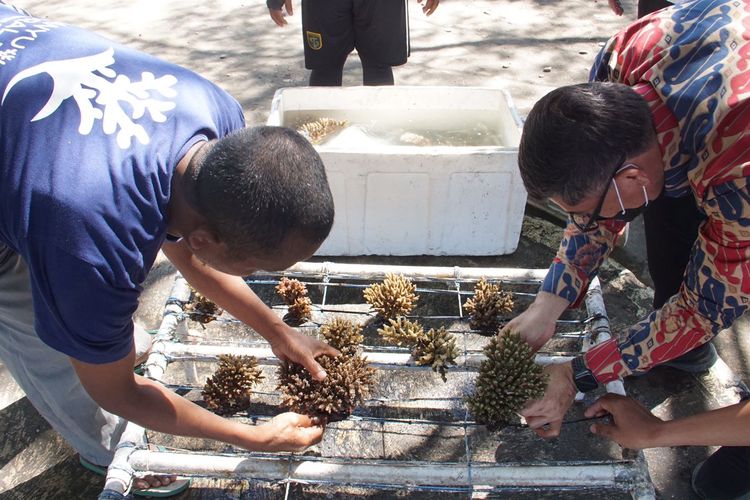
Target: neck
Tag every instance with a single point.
(181, 215)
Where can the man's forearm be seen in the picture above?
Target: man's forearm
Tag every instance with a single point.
(729, 426)
(154, 407)
(229, 292)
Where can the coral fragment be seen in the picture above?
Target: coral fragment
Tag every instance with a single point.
(488, 302)
(507, 379)
(228, 390)
(395, 296)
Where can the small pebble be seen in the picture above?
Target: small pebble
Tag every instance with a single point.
(547, 69)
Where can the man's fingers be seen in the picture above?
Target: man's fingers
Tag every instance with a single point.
(329, 350)
(317, 371)
(311, 435)
(616, 7)
(288, 7)
(536, 422)
(278, 17)
(430, 6)
(547, 431)
(604, 430)
(596, 410)
(300, 420)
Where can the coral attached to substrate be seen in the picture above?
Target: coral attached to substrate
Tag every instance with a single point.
(348, 383)
(435, 348)
(294, 294)
(507, 379)
(201, 309)
(394, 297)
(401, 332)
(228, 390)
(342, 334)
(488, 302)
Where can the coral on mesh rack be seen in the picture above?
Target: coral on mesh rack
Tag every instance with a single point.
(201, 309)
(395, 296)
(436, 348)
(317, 130)
(294, 294)
(228, 390)
(488, 302)
(507, 379)
(348, 384)
(401, 332)
(342, 334)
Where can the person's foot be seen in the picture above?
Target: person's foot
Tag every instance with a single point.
(723, 475)
(147, 486)
(698, 360)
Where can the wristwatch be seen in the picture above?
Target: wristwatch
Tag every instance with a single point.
(582, 376)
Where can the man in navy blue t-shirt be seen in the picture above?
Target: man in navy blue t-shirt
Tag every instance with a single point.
(108, 156)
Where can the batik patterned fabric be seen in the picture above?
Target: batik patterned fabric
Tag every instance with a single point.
(691, 64)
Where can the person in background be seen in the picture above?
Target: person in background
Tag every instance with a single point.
(331, 29)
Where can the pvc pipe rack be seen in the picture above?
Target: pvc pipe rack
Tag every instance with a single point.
(628, 475)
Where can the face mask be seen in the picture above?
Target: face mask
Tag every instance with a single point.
(628, 214)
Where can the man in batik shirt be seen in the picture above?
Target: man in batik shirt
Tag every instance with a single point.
(661, 129)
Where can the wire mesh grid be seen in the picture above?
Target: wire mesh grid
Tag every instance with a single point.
(415, 435)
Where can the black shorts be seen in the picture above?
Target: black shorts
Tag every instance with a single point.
(331, 29)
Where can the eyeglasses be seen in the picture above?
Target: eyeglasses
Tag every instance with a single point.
(588, 222)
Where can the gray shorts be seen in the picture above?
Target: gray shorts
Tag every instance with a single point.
(47, 376)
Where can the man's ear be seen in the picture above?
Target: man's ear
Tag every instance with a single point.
(201, 238)
(636, 175)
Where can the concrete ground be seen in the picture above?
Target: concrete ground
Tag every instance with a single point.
(527, 47)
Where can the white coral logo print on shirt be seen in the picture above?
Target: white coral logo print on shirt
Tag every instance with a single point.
(99, 92)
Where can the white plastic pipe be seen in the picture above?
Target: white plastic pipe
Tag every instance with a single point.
(156, 364)
(378, 271)
(277, 468)
(599, 328)
(378, 358)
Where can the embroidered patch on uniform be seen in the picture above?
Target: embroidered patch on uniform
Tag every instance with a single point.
(314, 40)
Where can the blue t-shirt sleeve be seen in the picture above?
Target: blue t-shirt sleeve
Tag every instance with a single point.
(78, 311)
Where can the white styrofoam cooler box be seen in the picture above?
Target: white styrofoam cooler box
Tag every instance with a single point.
(416, 200)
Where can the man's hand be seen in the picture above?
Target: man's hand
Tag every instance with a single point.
(429, 6)
(544, 416)
(616, 7)
(633, 426)
(537, 323)
(278, 16)
(302, 349)
(290, 432)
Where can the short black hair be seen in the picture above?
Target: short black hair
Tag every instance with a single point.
(575, 136)
(259, 185)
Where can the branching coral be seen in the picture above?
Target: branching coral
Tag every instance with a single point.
(507, 379)
(201, 309)
(348, 384)
(342, 334)
(395, 296)
(295, 296)
(436, 348)
(228, 390)
(317, 130)
(488, 302)
(401, 332)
